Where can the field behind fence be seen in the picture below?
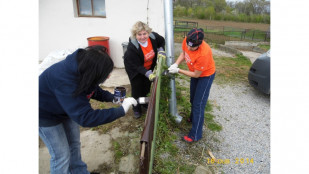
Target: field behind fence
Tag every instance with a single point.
(220, 34)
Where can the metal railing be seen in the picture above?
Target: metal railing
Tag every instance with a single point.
(229, 35)
(185, 24)
(148, 136)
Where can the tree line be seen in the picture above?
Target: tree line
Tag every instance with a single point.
(257, 11)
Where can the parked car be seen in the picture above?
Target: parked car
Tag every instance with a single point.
(259, 73)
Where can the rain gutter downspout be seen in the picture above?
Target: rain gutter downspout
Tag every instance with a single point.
(169, 42)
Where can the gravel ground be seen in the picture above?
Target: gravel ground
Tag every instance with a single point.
(244, 114)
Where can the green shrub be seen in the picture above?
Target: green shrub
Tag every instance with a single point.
(190, 12)
(200, 12)
(179, 11)
(218, 16)
(210, 12)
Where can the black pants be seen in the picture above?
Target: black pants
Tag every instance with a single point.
(140, 86)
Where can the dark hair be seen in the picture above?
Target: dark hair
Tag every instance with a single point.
(94, 66)
(195, 37)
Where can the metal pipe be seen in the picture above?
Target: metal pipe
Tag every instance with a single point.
(169, 42)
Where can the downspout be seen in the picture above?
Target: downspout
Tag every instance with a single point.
(169, 42)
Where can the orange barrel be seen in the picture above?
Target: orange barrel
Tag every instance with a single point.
(99, 40)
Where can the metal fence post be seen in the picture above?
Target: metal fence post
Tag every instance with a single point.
(253, 34)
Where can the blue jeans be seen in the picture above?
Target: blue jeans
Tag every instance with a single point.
(199, 92)
(63, 143)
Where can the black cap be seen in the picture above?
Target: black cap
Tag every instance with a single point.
(195, 37)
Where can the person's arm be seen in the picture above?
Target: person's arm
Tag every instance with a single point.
(102, 95)
(180, 58)
(79, 109)
(194, 74)
(132, 59)
(160, 40)
(175, 68)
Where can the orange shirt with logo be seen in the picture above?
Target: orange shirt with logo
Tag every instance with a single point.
(200, 59)
(149, 54)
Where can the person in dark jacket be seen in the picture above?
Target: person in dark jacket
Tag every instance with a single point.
(65, 89)
(140, 59)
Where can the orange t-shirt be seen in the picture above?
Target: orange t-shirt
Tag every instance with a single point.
(149, 54)
(200, 59)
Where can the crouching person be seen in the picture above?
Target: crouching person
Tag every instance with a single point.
(65, 89)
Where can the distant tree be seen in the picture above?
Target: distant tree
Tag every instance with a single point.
(219, 5)
(210, 12)
(186, 3)
(249, 7)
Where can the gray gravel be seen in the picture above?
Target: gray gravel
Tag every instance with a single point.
(244, 114)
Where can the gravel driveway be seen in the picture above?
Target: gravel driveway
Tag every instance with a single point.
(244, 114)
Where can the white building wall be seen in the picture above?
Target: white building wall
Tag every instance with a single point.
(60, 28)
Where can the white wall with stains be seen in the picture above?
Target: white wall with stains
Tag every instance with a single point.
(61, 29)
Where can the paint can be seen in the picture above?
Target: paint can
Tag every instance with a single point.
(119, 94)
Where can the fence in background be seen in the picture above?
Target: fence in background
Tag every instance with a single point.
(220, 34)
(185, 24)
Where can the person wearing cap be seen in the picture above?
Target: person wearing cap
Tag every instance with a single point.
(140, 59)
(198, 56)
(65, 89)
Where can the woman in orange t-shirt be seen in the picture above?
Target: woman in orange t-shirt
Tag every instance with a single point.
(140, 59)
(198, 56)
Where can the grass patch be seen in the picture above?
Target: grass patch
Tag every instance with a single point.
(210, 123)
(169, 158)
(117, 151)
(265, 47)
(232, 70)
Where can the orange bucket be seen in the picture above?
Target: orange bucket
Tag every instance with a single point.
(99, 40)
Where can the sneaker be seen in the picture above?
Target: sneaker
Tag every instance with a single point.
(188, 139)
(137, 114)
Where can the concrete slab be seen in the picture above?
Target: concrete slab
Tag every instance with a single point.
(118, 77)
(95, 149)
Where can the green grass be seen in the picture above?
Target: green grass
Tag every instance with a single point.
(118, 152)
(232, 70)
(168, 157)
(265, 47)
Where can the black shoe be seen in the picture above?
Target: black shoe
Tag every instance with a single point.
(145, 106)
(137, 114)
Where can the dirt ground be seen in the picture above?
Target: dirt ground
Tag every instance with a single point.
(113, 147)
(243, 25)
(105, 148)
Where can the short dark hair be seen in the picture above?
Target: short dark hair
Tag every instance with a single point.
(94, 66)
(195, 37)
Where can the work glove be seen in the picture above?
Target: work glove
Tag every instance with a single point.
(174, 65)
(150, 75)
(161, 53)
(173, 69)
(127, 103)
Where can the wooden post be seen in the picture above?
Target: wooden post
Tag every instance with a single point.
(253, 34)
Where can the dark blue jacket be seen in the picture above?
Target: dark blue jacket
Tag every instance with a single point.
(57, 103)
